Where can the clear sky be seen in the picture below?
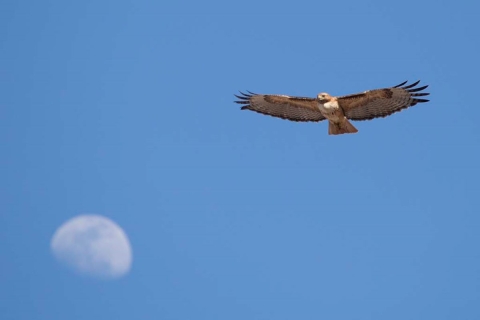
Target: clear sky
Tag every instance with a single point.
(125, 109)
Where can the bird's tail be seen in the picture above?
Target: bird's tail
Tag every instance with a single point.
(344, 126)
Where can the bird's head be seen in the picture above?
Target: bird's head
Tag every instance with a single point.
(323, 97)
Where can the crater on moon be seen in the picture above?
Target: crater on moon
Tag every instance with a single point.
(93, 245)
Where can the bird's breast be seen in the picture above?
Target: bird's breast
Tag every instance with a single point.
(330, 110)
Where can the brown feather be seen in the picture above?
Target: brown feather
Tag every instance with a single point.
(381, 102)
(297, 109)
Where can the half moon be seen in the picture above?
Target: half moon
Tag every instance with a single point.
(93, 245)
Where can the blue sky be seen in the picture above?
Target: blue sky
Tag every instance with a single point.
(125, 109)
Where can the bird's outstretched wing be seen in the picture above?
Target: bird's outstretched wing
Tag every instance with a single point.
(379, 103)
(298, 109)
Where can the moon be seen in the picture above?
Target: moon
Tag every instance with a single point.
(93, 245)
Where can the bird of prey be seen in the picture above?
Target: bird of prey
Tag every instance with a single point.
(367, 105)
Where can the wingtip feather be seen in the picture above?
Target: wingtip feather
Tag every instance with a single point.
(244, 97)
(421, 100)
(411, 85)
(418, 89)
(401, 84)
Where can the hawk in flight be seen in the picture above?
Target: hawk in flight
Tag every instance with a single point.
(370, 104)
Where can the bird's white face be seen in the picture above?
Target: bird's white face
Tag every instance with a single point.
(323, 97)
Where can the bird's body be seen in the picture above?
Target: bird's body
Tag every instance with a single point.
(338, 111)
(331, 110)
